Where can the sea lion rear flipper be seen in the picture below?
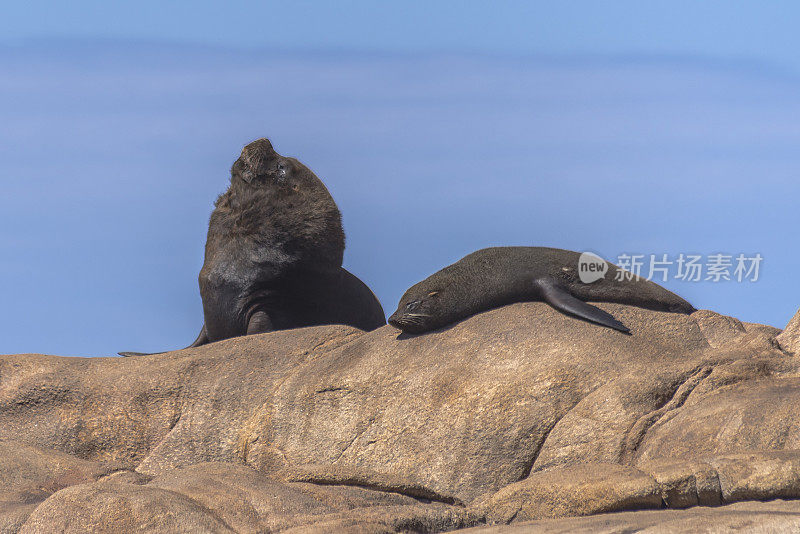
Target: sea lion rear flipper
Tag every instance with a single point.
(561, 299)
(202, 339)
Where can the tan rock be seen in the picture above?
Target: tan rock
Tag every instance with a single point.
(13, 515)
(746, 517)
(222, 497)
(685, 483)
(121, 508)
(581, 489)
(718, 329)
(416, 425)
(750, 415)
(758, 475)
(789, 339)
(29, 475)
(464, 410)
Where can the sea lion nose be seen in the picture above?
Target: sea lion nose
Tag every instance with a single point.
(262, 145)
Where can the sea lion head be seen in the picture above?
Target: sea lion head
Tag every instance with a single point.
(422, 308)
(281, 205)
(260, 168)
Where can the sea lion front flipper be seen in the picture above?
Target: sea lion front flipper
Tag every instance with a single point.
(202, 339)
(561, 299)
(259, 323)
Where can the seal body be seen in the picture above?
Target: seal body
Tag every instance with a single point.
(494, 277)
(273, 255)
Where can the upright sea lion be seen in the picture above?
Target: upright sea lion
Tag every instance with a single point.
(274, 251)
(494, 277)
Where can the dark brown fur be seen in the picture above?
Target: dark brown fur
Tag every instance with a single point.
(274, 254)
(497, 276)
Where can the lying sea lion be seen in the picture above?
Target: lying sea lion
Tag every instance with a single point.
(494, 277)
(274, 252)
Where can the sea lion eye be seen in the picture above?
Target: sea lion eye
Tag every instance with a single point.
(281, 170)
(411, 306)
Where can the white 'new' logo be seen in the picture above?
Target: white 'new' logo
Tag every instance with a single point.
(591, 267)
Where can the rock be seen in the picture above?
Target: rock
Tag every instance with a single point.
(30, 472)
(121, 508)
(591, 488)
(789, 339)
(519, 412)
(464, 410)
(29, 475)
(719, 330)
(773, 517)
(756, 414)
(123, 410)
(223, 497)
(758, 476)
(582, 489)
(685, 483)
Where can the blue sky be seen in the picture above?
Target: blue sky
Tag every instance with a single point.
(439, 128)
